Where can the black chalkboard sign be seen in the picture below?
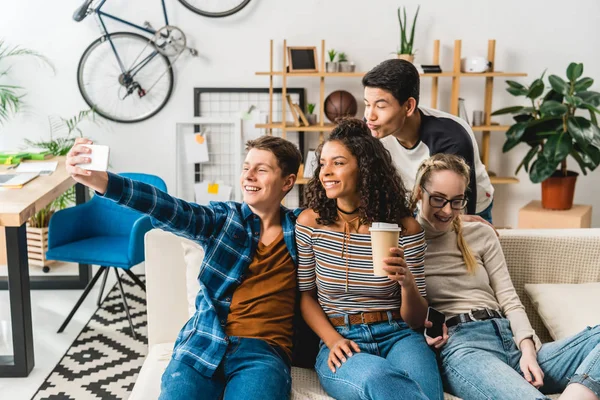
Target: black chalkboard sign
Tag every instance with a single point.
(303, 59)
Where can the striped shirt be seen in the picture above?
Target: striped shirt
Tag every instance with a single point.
(322, 265)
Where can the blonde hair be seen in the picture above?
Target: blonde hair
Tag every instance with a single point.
(446, 162)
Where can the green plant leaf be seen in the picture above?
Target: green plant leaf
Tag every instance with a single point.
(536, 89)
(590, 156)
(523, 117)
(558, 85)
(592, 110)
(580, 161)
(553, 108)
(515, 85)
(581, 130)
(553, 95)
(516, 130)
(557, 147)
(583, 84)
(574, 101)
(541, 169)
(508, 110)
(589, 97)
(509, 144)
(547, 134)
(574, 71)
(527, 159)
(517, 92)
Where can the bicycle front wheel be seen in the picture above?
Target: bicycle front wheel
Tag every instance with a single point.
(129, 88)
(215, 8)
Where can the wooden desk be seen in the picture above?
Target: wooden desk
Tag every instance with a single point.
(16, 207)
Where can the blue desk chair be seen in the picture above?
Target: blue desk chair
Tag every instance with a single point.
(101, 232)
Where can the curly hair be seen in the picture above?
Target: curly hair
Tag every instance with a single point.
(383, 197)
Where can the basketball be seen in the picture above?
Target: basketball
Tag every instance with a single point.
(340, 104)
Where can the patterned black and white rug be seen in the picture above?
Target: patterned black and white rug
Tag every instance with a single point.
(104, 361)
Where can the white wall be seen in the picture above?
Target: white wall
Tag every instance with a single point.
(531, 36)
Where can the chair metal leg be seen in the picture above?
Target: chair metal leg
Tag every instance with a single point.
(136, 279)
(82, 298)
(102, 289)
(125, 303)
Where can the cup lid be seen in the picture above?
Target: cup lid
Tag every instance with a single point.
(384, 226)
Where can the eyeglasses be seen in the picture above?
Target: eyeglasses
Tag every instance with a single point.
(440, 202)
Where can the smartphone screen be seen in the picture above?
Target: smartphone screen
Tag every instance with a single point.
(437, 319)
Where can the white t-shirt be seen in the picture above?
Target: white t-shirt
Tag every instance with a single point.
(441, 132)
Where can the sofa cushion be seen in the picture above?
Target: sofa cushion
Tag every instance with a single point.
(566, 309)
(147, 385)
(193, 254)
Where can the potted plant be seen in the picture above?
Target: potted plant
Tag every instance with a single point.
(331, 65)
(552, 129)
(11, 95)
(406, 50)
(310, 115)
(37, 226)
(342, 62)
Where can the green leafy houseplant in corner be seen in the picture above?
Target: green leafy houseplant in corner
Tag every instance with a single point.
(559, 124)
(310, 113)
(62, 137)
(406, 50)
(11, 96)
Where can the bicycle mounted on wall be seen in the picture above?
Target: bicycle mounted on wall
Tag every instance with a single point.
(128, 77)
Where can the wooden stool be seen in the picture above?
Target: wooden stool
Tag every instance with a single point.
(533, 216)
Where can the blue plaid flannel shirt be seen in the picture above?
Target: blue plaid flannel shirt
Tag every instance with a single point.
(229, 233)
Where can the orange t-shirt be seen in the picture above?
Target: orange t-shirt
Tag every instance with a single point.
(262, 307)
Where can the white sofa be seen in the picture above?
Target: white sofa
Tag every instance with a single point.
(533, 256)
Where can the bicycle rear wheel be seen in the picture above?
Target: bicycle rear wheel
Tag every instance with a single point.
(132, 94)
(215, 8)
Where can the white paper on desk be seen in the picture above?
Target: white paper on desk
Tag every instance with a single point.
(42, 167)
(196, 148)
(211, 191)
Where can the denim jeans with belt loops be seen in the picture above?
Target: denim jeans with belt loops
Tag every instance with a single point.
(394, 363)
(481, 361)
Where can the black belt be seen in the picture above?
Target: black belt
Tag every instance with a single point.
(473, 315)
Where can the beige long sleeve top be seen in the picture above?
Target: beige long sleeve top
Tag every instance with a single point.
(452, 290)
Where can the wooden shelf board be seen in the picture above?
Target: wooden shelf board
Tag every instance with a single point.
(503, 180)
(436, 74)
(492, 74)
(360, 74)
(490, 128)
(289, 126)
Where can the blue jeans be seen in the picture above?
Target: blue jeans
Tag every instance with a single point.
(487, 213)
(251, 369)
(394, 363)
(481, 361)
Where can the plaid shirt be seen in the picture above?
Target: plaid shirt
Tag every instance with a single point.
(229, 233)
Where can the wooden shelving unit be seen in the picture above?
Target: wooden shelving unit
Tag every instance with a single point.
(456, 75)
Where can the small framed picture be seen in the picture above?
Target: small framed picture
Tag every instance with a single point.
(302, 59)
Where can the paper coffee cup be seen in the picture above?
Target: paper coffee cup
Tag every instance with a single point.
(383, 237)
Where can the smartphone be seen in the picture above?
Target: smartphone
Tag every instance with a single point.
(99, 158)
(437, 319)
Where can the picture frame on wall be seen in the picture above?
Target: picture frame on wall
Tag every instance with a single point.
(302, 59)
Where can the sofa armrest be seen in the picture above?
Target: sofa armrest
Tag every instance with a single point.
(165, 286)
(550, 256)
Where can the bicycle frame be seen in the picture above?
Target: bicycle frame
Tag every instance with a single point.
(149, 30)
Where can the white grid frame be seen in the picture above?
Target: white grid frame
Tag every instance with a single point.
(224, 139)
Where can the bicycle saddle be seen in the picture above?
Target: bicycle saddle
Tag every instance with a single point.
(82, 11)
